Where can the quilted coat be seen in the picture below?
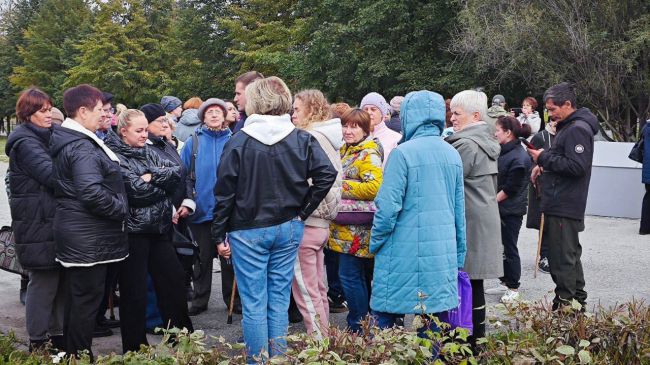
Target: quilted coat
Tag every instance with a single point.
(150, 204)
(362, 176)
(418, 234)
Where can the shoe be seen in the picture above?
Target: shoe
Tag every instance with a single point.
(189, 293)
(643, 233)
(58, 342)
(102, 332)
(500, 289)
(196, 310)
(338, 304)
(510, 296)
(23, 295)
(544, 266)
(37, 345)
(237, 309)
(152, 331)
(108, 323)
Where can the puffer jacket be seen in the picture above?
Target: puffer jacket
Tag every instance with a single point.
(533, 120)
(187, 124)
(418, 234)
(92, 208)
(329, 135)
(183, 194)
(479, 152)
(150, 205)
(362, 176)
(263, 176)
(32, 201)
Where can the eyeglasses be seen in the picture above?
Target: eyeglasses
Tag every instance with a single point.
(214, 112)
(110, 110)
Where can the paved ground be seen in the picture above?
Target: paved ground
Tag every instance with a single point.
(614, 260)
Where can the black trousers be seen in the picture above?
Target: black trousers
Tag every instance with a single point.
(153, 254)
(564, 252)
(84, 291)
(510, 226)
(478, 310)
(112, 273)
(645, 212)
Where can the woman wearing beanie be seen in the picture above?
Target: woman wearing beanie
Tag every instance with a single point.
(512, 184)
(361, 159)
(211, 137)
(151, 182)
(311, 113)
(173, 107)
(376, 106)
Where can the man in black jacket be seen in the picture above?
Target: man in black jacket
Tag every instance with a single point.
(567, 170)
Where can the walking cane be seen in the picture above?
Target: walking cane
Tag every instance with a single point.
(539, 246)
(232, 300)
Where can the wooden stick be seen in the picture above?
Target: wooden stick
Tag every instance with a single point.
(232, 300)
(539, 246)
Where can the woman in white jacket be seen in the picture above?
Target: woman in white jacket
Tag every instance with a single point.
(311, 113)
(529, 115)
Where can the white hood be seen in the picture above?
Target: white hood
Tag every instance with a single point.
(332, 130)
(268, 129)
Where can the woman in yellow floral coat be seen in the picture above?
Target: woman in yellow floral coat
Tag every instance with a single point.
(361, 158)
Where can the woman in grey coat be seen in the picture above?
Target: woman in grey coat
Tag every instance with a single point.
(479, 152)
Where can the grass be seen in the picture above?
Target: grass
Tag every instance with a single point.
(3, 142)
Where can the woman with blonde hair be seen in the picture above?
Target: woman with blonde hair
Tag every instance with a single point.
(311, 113)
(263, 197)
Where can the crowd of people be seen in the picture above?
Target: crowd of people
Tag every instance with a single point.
(389, 201)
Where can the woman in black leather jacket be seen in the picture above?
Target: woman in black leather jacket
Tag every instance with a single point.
(150, 183)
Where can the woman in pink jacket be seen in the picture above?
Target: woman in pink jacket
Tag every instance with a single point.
(375, 105)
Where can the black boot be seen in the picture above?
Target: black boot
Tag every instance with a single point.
(58, 342)
(37, 345)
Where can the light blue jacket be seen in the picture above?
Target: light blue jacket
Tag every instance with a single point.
(207, 161)
(418, 234)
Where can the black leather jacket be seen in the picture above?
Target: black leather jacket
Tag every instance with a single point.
(262, 185)
(150, 205)
(91, 211)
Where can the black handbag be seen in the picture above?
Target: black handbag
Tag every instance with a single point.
(637, 150)
(185, 245)
(8, 259)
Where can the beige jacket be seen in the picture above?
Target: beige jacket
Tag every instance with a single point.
(330, 136)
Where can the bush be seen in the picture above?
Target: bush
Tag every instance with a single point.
(528, 333)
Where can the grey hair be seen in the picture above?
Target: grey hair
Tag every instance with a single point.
(560, 94)
(471, 101)
(269, 96)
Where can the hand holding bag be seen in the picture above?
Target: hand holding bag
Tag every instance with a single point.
(461, 316)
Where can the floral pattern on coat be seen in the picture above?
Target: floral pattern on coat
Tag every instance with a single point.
(362, 176)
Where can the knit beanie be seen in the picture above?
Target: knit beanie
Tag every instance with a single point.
(57, 115)
(169, 103)
(498, 100)
(377, 100)
(152, 111)
(210, 102)
(396, 103)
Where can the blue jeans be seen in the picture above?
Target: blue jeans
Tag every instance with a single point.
(356, 277)
(388, 320)
(263, 259)
(334, 288)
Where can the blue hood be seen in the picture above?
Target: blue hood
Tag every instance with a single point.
(422, 114)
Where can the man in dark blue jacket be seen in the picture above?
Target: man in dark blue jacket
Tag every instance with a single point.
(567, 171)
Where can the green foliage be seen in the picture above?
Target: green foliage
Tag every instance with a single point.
(49, 48)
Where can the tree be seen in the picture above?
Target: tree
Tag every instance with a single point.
(49, 48)
(121, 55)
(602, 47)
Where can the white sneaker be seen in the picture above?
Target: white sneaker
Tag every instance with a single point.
(498, 290)
(510, 296)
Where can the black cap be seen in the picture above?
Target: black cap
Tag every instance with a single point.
(152, 111)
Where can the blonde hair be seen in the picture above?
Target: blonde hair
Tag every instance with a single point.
(338, 109)
(126, 117)
(193, 103)
(316, 104)
(269, 96)
(119, 109)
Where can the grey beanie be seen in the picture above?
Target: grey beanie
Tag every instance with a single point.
(169, 103)
(498, 100)
(210, 102)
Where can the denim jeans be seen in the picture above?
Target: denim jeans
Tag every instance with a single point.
(356, 278)
(263, 259)
(388, 320)
(334, 288)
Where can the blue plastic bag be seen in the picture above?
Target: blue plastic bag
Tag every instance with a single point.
(461, 316)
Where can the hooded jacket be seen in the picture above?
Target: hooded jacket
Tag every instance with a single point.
(479, 152)
(514, 172)
(32, 201)
(388, 139)
(150, 205)
(208, 157)
(330, 137)
(263, 176)
(533, 120)
(567, 166)
(187, 124)
(418, 233)
(493, 113)
(92, 208)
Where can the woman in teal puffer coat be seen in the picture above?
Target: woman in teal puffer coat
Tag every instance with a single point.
(418, 234)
